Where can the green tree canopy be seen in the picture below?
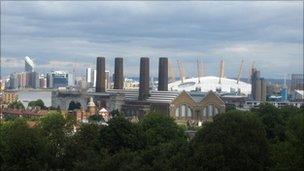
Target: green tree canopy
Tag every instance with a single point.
(74, 105)
(122, 134)
(37, 103)
(273, 120)
(22, 147)
(56, 129)
(161, 129)
(16, 105)
(234, 141)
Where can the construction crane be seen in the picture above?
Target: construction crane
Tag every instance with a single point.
(181, 71)
(240, 71)
(221, 71)
(171, 72)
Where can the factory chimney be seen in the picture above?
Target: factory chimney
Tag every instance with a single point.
(144, 80)
(101, 74)
(118, 74)
(163, 74)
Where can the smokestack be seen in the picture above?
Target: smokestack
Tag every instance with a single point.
(101, 74)
(144, 79)
(118, 74)
(254, 77)
(163, 74)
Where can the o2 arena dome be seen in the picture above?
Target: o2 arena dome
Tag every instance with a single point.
(211, 83)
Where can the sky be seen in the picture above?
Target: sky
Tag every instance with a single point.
(70, 35)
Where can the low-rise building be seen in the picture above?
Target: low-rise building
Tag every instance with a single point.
(9, 96)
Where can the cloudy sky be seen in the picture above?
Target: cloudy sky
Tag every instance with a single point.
(67, 35)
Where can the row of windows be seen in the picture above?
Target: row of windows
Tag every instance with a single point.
(183, 111)
(186, 111)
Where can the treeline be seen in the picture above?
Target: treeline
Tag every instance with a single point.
(263, 139)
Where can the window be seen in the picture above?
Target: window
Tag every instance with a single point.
(183, 111)
(205, 112)
(210, 111)
(177, 112)
(189, 113)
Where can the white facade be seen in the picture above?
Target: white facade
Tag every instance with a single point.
(211, 83)
(89, 75)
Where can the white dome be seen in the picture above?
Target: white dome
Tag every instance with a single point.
(210, 83)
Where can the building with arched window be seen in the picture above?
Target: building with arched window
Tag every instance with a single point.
(196, 106)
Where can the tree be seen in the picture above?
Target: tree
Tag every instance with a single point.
(122, 134)
(37, 103)
(273, 120)
(55, 128)
(85, 148)
(289, 154)
(234, 141)
(95, 118)
(161, 129)
(74, 105)
(16, 105)
(22, 147)
(230, 107)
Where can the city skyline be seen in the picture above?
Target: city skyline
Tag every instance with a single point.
(60, 35)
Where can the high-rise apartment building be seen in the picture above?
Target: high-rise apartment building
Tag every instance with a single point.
(297, 82)
(57, 79)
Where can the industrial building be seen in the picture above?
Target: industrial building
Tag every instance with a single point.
(181, 105)
(258, 88)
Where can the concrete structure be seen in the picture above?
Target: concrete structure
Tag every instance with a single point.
(118, 74)
(183, 106)
(255, 104)
(144, 78)
(101, 74)
(163, 74)
(258, 86)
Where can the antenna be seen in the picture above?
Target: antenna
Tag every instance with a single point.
(171, 72)
(181, 71)
(198, 71)
(221, 71)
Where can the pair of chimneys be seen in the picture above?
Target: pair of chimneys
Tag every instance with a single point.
(144, 75)
(101, 74)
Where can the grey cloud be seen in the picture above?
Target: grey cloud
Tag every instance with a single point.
(80, 31)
